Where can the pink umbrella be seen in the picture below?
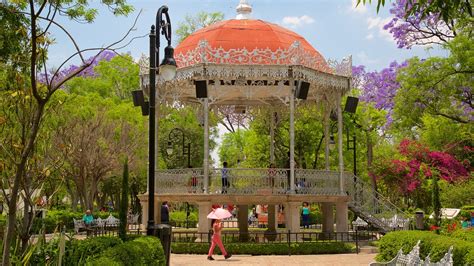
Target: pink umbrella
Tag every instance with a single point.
(219, 213)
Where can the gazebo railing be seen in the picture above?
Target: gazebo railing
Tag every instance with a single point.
(247, 181)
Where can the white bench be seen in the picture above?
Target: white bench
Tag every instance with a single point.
(78, 225)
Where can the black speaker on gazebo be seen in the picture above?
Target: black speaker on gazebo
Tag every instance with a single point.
(201, 88)
(351, 104)
(302, 88)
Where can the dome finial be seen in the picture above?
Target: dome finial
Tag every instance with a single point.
(244, 10)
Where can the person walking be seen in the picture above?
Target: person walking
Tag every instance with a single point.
(216, 240)
(225, 178)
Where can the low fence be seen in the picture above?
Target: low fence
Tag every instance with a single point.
(276, 237)
(233, 223)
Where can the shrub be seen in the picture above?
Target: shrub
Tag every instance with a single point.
(102, 261)
(80, 250)
(154, 244)
(463, 234)
(435, 245)
(76, 251)
(266, 249)
(140, 251)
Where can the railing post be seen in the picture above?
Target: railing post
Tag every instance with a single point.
(289, 242)
(357, 241)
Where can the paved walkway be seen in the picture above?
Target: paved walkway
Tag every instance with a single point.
(324, 260)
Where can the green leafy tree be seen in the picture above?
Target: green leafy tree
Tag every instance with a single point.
(437, 86)
(124, 203)
(194, 23)
(40, 16)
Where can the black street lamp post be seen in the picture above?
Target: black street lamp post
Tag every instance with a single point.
(167, 71)
(172, 136)
(351, 145)
(350, 108)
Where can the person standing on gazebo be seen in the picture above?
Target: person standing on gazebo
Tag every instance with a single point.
(225, 178)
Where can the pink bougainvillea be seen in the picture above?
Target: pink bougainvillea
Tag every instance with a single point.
(417, 164)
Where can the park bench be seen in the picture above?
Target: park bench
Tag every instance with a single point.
(110, 223)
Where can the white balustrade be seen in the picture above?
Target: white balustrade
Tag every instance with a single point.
(247, 181)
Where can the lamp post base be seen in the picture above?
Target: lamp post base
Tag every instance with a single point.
(150, 228)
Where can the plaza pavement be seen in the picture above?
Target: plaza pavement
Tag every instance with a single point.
(324, 260)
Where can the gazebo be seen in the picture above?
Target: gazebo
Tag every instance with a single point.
(249, 63)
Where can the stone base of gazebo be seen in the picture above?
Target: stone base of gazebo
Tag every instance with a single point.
(291, 202)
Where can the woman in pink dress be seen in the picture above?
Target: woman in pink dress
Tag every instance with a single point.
(216, 240)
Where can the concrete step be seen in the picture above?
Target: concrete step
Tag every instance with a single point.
(368, 250)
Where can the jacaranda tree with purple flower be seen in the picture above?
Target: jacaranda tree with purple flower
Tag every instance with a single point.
(418, 28)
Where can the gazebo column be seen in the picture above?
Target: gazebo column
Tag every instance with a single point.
(341, 207)
(292, 137)
(327, 137)
(292, 216)
(144, 204)
(328, 217)
(342, 216)
(339, 144)
(206, 145)
(204, 224)
(272, 217)
(242, 220)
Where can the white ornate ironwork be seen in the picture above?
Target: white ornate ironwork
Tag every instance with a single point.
(246, 181)
(413, 258)
(373, 207)
(343, 67)
(294, 55)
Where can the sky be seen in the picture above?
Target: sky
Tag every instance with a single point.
(336, 28)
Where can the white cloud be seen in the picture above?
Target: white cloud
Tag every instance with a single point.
(365, 59)
(369, 36)
(378, 23)
(295, 22)
(358, 9)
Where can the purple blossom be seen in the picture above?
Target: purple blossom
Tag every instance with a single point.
(415, 29)
(378, 88)
(87, 72)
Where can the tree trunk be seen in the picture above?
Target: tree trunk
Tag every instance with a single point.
(20, 173)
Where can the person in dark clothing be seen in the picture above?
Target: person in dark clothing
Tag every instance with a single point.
(225, 178)
(165, 213)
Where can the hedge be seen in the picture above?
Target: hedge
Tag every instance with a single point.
(141, 251)
(463, 234)
(266, 249)
(435, 245)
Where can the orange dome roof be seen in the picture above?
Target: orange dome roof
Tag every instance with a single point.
(251, 35)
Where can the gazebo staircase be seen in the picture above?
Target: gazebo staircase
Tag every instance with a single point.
(374, 208)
